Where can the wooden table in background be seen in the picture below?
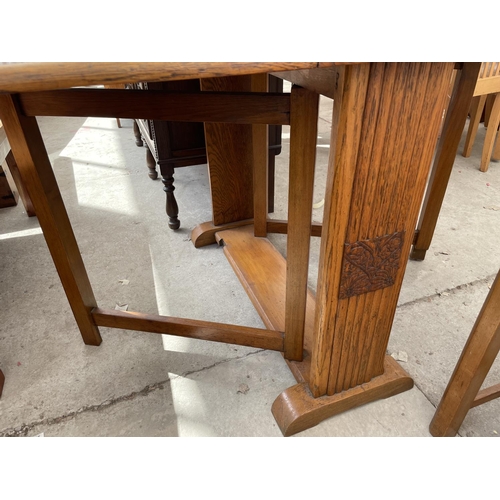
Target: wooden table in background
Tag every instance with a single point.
(385, 124)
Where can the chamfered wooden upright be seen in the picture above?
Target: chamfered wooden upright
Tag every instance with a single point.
(463, 390)
(385, 123)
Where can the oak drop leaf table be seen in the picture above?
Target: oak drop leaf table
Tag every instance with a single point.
(385, 124)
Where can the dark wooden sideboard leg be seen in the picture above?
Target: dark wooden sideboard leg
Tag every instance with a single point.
(168, 186)
(151, 162)
(138, 136)
(2, 380)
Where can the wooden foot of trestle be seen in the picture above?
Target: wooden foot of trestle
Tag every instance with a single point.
(204, 234)
(296, 410)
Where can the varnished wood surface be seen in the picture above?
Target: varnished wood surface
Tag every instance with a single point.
(321, 81)
(38, 176)
(303, 134)
(385, 124)
(254, 261)
(236, 107)
(23, 193)
(444, 159)
(205, 330)
(260, 163)
(281, 227)
(296, 410)
(479, 353)
(29, 76)
(204, 234)
(230, 157)
(348, 106)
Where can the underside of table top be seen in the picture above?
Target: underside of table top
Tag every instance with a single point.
(34, 76)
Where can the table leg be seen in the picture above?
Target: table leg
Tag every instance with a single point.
(37, 174)
(303, 137)
(445, 157)
(230, 153)
(385, 124)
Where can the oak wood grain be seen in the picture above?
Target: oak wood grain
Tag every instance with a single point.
(254, 261)
(303, 134)
(205, 330)
(281, 227)
(205, 233)
(28, 77)
(233, 107)
(385, 124)
(296, 409)
(260, 160)
(445, 157)
(37, 175)
(23, 193)
(348, 106)
(230, 158)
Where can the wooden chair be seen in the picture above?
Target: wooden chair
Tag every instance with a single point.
(463, 390)
(487, 87)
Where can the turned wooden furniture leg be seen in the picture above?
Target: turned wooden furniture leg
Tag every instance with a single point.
(385, 124)
(2, 381)
(138, 136)
(37, 174)
(491, 133)
(171, 205)
(445, 158)
(463, 390)
(151, 163)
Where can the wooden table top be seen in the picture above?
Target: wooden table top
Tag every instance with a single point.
(27, 77)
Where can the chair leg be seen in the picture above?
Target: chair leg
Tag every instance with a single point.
(491, 133)
(2, 380)
(474, 364)
(496, 150)
(476, 111)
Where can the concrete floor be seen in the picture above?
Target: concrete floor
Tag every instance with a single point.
(140, 384)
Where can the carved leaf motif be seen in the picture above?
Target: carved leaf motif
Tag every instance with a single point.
(370, 265)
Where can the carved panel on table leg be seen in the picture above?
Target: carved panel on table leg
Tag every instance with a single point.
(378, 167)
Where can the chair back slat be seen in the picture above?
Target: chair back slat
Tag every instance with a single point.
(488, 81)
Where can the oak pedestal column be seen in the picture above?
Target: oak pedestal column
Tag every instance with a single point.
(386, 119)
